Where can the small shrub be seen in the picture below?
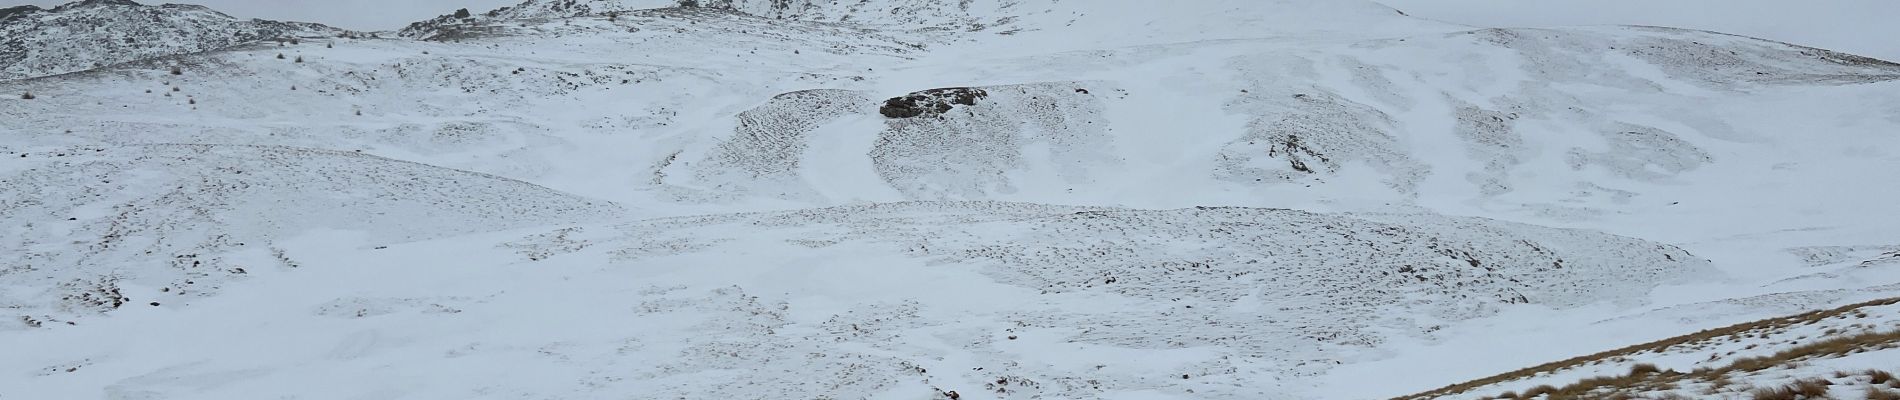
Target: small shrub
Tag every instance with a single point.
(27, 96)
(192, 101)
(299, 58)
(1780, 393)
(1644, 369)
(280, 56)
(1811, 387)
(1880, 377)
(1882, 394)
(177, 71)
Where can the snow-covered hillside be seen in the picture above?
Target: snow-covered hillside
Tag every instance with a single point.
(188, 219)
(899, 199)
(896, 300)
(95, 33)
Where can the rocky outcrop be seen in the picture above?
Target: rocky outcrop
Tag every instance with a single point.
(930, 102)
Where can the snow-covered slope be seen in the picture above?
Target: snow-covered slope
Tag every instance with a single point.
(899, 199)
(186, 219)
(94, 33)
(1527, 118)
(901, 300)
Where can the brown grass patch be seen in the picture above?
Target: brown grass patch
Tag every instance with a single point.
(1874, 393)
(1835, 346)
(1879, 377)
(1644, 369)
(1779, 393)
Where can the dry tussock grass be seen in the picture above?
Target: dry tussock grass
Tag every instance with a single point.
(1594, 387)
(1874, 393)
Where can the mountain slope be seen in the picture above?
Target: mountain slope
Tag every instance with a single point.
(1525, 118)
(905, 300)
(1005, 199)
(186, 220)
(94, 33)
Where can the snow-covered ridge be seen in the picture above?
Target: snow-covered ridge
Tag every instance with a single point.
(1115, 19)
(913, 13)
(94, 33)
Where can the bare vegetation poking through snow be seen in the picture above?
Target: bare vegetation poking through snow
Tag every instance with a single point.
(1210, 199)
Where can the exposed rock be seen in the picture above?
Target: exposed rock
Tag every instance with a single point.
(930, 102)
(10, 12)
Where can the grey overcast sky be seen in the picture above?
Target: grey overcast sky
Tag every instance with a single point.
(1865, 27)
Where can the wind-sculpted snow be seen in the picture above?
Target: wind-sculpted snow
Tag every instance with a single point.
(1259, 192)
(95, 33)
(1491, 137)
(1276, 290)
(970, 151)
(952, 143)
(1304, 124)
(1540, 68)
(193, 218)
(769, 142)
(1685, 54)
(1644, 153)
(1295, 133)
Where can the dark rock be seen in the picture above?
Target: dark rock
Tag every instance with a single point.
(930, 102)
(10, 12)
